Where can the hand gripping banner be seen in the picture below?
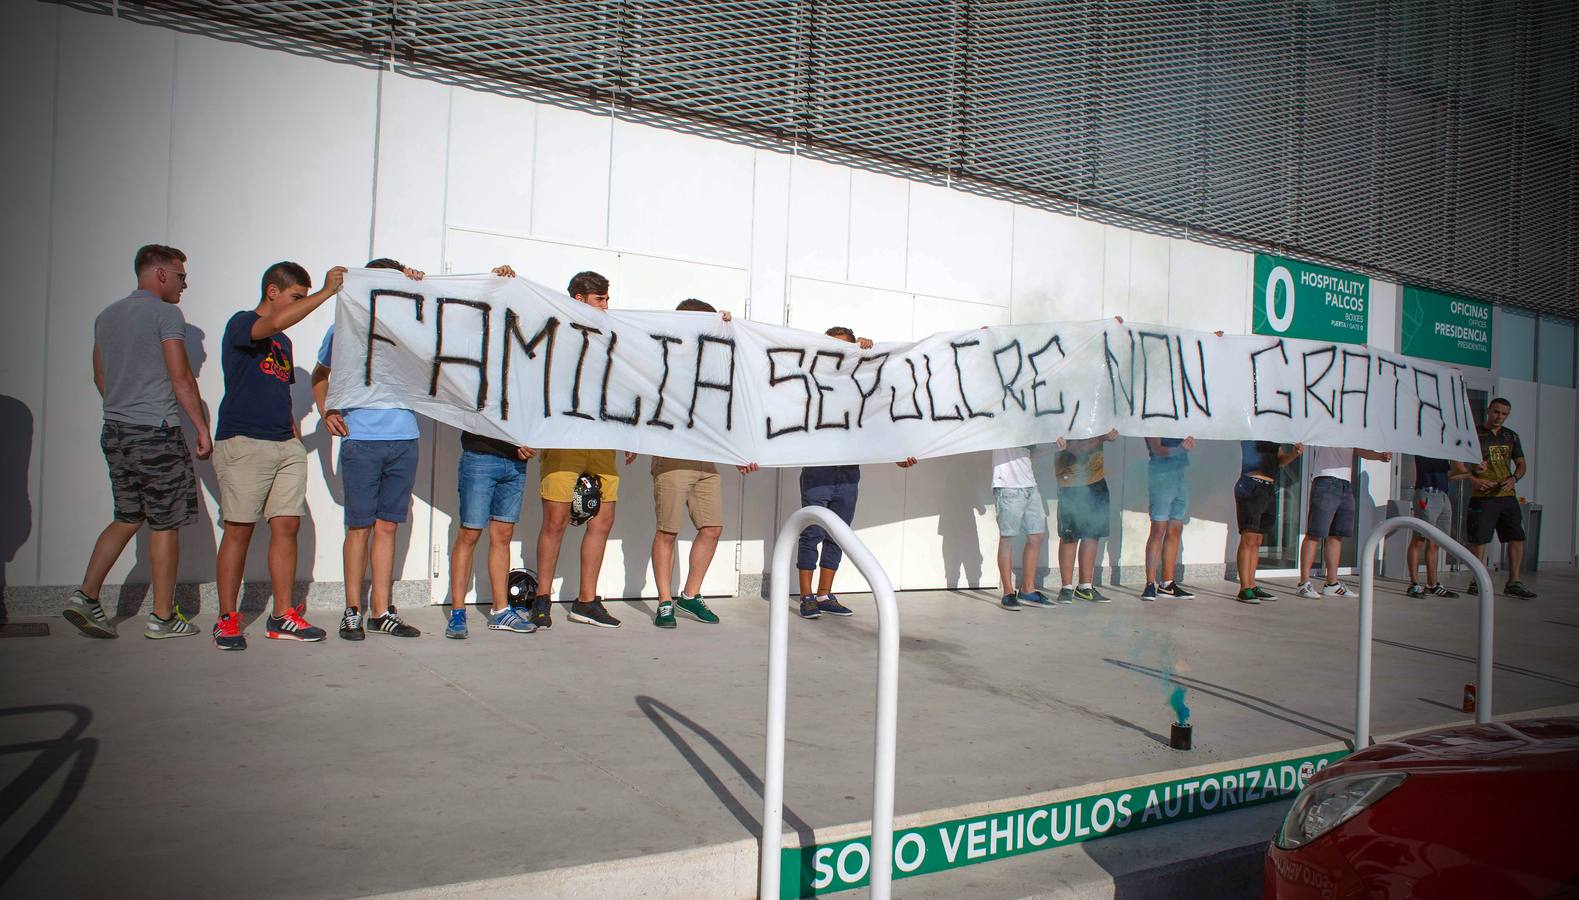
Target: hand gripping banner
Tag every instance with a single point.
(509, 358)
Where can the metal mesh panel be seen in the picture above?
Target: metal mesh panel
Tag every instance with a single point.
(1431, 141)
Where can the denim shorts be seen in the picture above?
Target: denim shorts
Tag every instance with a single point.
(491, 487)
(1168, 489)
(1331, 508)
(377, 477)
(1020, 511)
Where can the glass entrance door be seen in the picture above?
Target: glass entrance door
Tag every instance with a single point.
(1280, 549)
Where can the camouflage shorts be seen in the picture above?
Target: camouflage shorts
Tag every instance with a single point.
(150, 474)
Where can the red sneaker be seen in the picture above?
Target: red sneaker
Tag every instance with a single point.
(292, 627)
(227, 633)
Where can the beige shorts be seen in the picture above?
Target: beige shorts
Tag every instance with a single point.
(678, 486)
(260, 479)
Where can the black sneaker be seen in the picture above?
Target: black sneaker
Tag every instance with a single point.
(592, 613)
(542, 612)
(1416, 590)
(1437, 590)
(1175, 589)
(1149, 592)
(1263, 594)
(390, 623)
(351, 627)
(1517, 589)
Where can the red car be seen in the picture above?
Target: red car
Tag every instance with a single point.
(1482, 811)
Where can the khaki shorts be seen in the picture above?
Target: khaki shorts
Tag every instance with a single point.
(260, 479)
(561, 468)
(695, 487)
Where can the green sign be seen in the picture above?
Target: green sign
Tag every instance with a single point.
(1300, 300)
(844, 865)
(1447, 328)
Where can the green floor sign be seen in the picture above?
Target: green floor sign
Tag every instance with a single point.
(845, 865)
(1446, 328)
(1303, 300)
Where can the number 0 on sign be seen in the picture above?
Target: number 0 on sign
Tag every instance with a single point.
(1280, 277)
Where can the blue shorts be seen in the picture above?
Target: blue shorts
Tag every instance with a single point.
(491, 487)
(1021, 511)
(377, 477)
(1169, 490)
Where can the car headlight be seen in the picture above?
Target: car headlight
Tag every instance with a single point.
(1324, 806)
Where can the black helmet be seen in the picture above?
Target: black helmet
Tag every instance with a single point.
(586, 498)
(523, 586)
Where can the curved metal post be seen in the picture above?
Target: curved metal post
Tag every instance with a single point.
(1362, 689)
(882, 843)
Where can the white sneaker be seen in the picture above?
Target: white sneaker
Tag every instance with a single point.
(1336, 590)
(86, 613)
(1307, 590)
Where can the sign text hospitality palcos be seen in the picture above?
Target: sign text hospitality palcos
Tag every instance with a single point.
(518, 361)
(1303, 300)
(845, 865)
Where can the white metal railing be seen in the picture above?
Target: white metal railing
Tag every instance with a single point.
(1362, 688)
(882, 842)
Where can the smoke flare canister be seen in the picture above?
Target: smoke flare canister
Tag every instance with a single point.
(1469, 697)
(1179, 736)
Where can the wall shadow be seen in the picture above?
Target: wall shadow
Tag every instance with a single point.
(662, 714)
(70, 752)
(16, 504)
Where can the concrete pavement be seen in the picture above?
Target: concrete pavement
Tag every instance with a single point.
(338, 769)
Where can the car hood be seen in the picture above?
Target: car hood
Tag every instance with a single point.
(1526, 744)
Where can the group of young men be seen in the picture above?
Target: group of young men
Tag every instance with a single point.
(142, 372)
(1083, 511)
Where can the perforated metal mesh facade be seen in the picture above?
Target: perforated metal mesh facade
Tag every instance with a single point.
(1433, 142)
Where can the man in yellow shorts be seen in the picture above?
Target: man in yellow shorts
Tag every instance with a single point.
(560, 470)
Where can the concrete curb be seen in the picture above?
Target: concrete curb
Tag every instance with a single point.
(730, 870)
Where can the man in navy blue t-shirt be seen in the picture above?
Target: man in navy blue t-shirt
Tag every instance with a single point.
(258, 455)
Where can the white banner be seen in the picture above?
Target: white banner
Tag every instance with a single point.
(509, 358)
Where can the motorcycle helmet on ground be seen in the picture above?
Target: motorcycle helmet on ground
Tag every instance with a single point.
(586, 498)
(523, 586)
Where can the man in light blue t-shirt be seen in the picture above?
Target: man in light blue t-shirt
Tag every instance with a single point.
(378, 466)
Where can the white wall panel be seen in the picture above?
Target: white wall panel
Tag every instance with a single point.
(1208, 287)
(679, 195)
(1057, 268)
(817, 305)
(409, 199)
(770, 205)
(819, 220)
(879, 228)
(1115, 271)
(570, 176)
(1149, 264)
(961, 245)
(28, 71)
(492, 141)
(111, 196)
(1554, 490)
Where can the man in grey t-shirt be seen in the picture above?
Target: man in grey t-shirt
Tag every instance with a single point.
(140, 369)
